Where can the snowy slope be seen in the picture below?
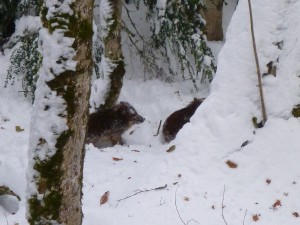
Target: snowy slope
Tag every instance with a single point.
(265, 184)
(14, 111)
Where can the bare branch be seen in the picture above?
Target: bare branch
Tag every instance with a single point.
(223, 207)
(5, 217)
(142, 191)
(178, 210)
(245, 217)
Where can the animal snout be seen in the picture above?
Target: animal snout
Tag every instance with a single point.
(141, 119)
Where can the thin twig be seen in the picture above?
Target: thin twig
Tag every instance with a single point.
(245, 217)
(158, 128)
(177, 207)
(178, 210)
(263, 108)
(5, 217)
(223, 207)
(133, 24)
(142, 191)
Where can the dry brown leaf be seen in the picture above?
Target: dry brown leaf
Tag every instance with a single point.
(268, 181)
(117, 159)
(104, 198)
(186, 199)
(231, 164)
(295, 214)
(171, 149)
(276, 204)
(255, 217)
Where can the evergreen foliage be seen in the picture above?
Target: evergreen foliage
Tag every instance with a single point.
(25, 59)
(177, 29)
(30, 7)
(25, 63)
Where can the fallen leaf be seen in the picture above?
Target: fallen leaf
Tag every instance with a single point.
(295, 214)
(276, 204)
(186, 199)
(117, 159)
(255, 217)
(104, 198)
(268, 181)
(171, 149)
(19, 129)
(231, 164)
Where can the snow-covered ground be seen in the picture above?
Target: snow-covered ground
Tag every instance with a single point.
(192, 184)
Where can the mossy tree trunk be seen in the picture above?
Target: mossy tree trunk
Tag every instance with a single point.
(113, 52)
(213, 16)
(60, 114)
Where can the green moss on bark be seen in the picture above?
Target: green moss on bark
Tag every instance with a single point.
(296, 111)
(46, 204)
(85, 31)
(65, 87)
(48, 185)
(116, 82)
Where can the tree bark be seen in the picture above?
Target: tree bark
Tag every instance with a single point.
(113, 52)
(61, 104)
(213, 16)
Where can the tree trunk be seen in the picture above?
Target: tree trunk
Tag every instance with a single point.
(113, 52)
(213, 16)
(60, 114)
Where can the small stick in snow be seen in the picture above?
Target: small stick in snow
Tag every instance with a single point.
(5, 217)
(178, 210)
(158, 129)
(223, 217)
(245, 217)
(262, 101)
(142, 191)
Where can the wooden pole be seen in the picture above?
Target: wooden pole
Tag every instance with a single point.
(263, 108)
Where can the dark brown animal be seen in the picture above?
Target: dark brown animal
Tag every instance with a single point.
(178, 118)
(105, 127)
